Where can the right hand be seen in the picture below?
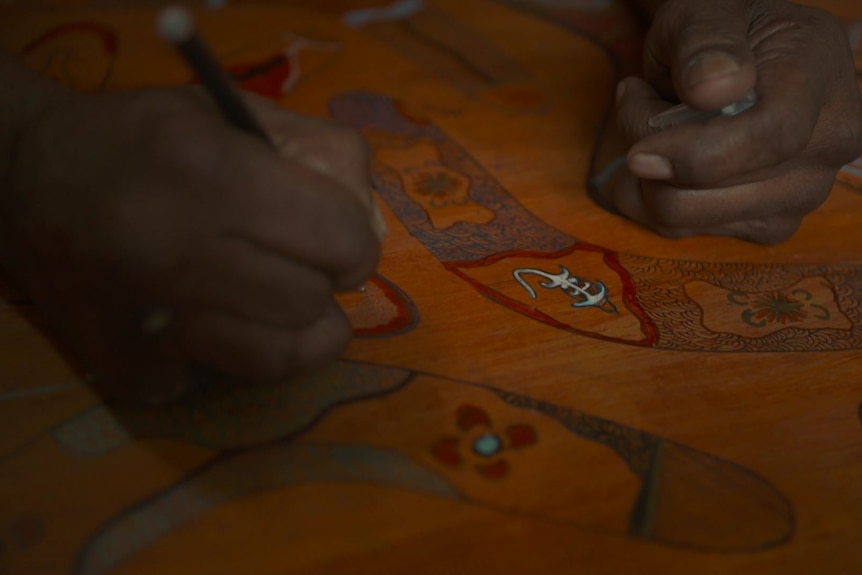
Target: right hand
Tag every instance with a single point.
(121, 204)
(757, 175)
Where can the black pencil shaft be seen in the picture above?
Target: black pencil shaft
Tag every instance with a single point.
(220, 87)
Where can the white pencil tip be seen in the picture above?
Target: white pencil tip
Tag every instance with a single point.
(175, 24)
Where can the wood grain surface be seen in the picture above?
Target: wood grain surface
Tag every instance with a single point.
(535, 386)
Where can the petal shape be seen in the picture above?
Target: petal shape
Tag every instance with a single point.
(469, 416)
(445, 450)
(521, 436)
(497, 470)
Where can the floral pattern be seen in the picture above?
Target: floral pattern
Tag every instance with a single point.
(480, 444)
(440, 188)
(778, 307)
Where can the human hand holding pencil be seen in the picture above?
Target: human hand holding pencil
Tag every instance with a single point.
(152, 201)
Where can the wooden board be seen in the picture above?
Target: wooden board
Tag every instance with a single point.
(535, 385)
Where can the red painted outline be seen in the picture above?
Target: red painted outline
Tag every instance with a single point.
(648, 328)
(107, 34)
(403, 321)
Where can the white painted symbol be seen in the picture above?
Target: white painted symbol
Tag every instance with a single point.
(583, 292)
(298, 44)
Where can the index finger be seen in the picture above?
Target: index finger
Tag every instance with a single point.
(777, 128)
(328, 147)
(323, 145)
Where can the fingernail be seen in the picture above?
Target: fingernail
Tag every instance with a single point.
(378, 224)
(711, 65)
(651, 167)
(621, 91)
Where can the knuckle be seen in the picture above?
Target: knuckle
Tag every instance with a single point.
(812, 194)
(771, 141)
(358, 260)
(349, 141)
(842, 139)
(855, 131)
(178, 140)
(310, 308)
(336, 343)
(334, 148)
(770, 231)
(325, 340)
(788, 136)
(180, 147)
(276, 359)
(703, 165)
(629, 123)
(817, 17)
(269, 360)
(354, 250)
(668, 208)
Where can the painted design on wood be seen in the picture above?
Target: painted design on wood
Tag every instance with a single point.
(778, 307)
(400, 10)
(480, 444)
(395, 136)
(609, 23)
(80, 55)
(223, 416)
(442, 192)
(613, 26)
(661, 303)
(583, 292)
(687, 316)
(245, 474)
(383, 310)
(498, 449)
(851, 175)
(276, 76)
(447, 48)
(808, 304)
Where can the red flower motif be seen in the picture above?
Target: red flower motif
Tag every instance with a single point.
(485, 444)
(446, 451)
(266, 77)
(469, 416)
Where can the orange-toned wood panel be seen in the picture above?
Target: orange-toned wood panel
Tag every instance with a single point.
(535, 385)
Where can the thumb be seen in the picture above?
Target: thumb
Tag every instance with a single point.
(700, 50)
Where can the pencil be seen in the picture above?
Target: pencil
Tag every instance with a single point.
(176, 25)
(682, 114)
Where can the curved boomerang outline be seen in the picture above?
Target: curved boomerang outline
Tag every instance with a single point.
(653, 288)
(281, 462)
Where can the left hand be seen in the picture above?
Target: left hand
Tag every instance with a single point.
(755, 175)
(166, 249)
